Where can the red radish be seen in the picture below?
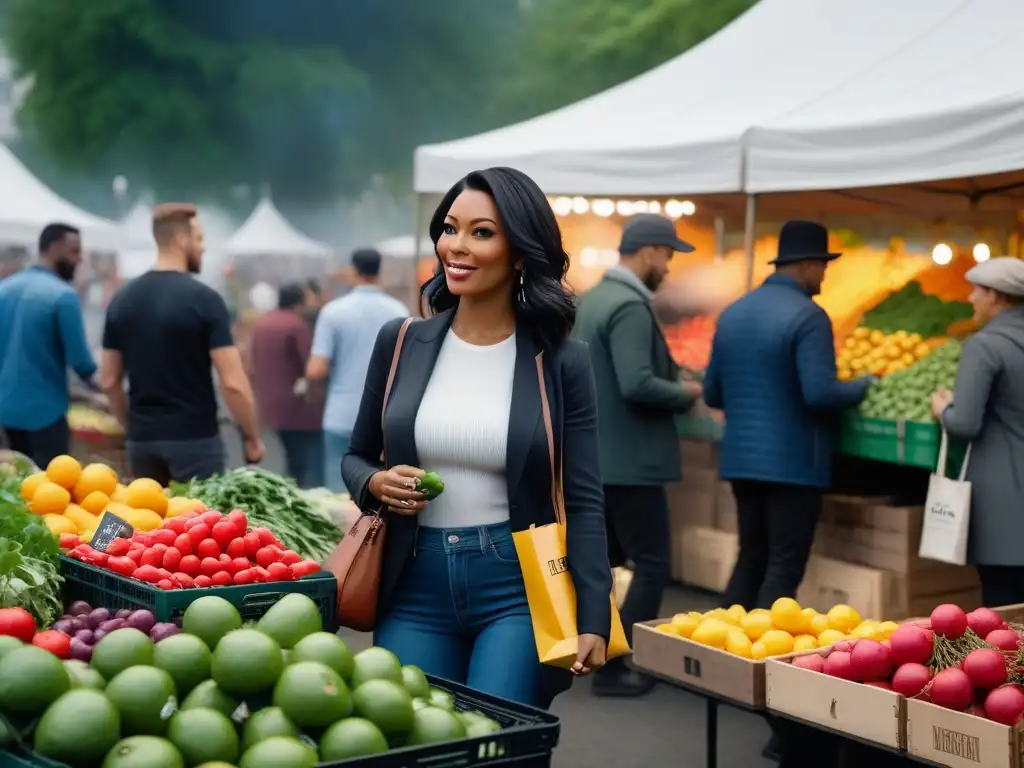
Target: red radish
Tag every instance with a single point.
(879, 684)
(910, 644)
(951, 688)
(1005, 705)
(986, 668)
(910, 679)
(846, 646)
(1003, 639)
(950, 621)
(813, 662)
(838, 665)
(870, 661)
(984, 621)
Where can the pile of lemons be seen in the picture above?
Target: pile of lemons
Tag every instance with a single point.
(872, 351)
(71, 498)
(785, 628)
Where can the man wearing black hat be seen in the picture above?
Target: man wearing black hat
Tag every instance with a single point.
(638, 391)
(773, 372)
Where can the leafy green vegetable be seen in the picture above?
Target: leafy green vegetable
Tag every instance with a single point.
(29, 567)
(271, 501)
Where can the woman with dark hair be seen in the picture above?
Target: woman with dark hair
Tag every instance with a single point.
(466, 403)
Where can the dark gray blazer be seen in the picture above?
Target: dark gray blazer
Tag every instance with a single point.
(573, 402)
(988, 410)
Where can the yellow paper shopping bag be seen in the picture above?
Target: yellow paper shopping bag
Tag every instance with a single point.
(549, 588)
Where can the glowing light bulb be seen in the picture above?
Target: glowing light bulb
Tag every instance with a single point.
(580, 205)
(982, 252)
(562, 206)
(942, 254)
(654, 207)
(624, 208)
(673, 209)
(603, 207)
(687, 208)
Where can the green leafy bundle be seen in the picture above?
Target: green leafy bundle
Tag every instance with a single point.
(271, 501)
(29, 567)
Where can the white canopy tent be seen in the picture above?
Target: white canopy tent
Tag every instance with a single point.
(27, 205)
(267, 233)
(404, 247)
(793, 95)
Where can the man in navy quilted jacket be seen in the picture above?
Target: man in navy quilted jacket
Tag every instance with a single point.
(773, 372)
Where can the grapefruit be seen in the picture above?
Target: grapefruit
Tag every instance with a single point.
(121, 649)
(431, 725)
(352, 737)
(79, 728)
(84, 676)
(246, 662)
(265, 724)
(415, 682)
(312, 695)
(210, 618)
(375, 664)
(186, 658)
(386, 704)
(327, 648)
(207, 695)
(203, 736)
(290, 619)
(30, 680)
(143, 752)
(145, 698)
(279, 752)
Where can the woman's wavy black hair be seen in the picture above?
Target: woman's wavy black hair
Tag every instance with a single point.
(547, 307)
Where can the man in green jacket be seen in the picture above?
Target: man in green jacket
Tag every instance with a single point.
(638, 394)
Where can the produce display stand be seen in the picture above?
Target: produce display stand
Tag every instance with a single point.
(718, 677)
(101, 587)
(527, 740)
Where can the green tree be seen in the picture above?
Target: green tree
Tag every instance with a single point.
(192, 97)
(576, 48)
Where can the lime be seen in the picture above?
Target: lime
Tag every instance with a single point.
(246, 662)
(441, 698)
(79, 728)
(386, 704)
(203, 735)
(326, 648)
(207, 695)
(210, 618)
(279, 752)
(290, 619)
(312, 695)
(121, 649)
(267, 723)
(415, 682)
(84, 676)
(186, 658)
(375, 664)
(145, 697)
(144, 752)
(431, 725)
(352, 737)
(31, 679)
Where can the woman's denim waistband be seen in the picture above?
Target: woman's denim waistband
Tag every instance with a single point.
(449, 540)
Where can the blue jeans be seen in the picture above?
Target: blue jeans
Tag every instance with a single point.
(460, 612)
(304, 456)
(335, 448)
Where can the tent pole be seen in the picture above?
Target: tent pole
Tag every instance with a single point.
(415, 305)
(719, 238)
(748, 238)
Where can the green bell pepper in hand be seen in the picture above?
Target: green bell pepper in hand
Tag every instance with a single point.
(430, 485)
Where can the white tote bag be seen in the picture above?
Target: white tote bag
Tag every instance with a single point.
(947, 512)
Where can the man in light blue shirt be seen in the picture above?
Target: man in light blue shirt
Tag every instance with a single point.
(346, 331)
(43, 335)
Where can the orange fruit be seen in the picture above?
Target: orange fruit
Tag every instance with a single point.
(95, 502)
(146, 494)
(30, 484)
(64, 471)
(179, 505)
(119, 509)
(142, 519)
(83, 520)
(95, 477)
(119, 494)
(59, 524)
(50, 499)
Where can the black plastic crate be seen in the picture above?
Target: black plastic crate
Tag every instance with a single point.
(102, 588)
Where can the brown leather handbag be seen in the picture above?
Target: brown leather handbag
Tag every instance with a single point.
(356, 562)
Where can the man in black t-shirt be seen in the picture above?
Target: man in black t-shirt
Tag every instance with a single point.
(165, 330)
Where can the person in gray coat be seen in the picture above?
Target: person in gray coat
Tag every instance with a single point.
(987, 408)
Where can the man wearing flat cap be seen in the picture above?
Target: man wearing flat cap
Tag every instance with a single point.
(987, 410)
(638, 393)
(773, 372)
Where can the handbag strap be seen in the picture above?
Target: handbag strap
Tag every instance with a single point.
(391, 379)
(944, 455)
(557, 499)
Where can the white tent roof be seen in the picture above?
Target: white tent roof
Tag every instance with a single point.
(404, 247)
(267, 233)
(27, 205)
(948, 102)
(837, 93)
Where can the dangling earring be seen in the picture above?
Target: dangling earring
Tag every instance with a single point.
(522, 288)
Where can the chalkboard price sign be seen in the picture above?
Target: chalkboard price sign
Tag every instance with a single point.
(110, 527)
